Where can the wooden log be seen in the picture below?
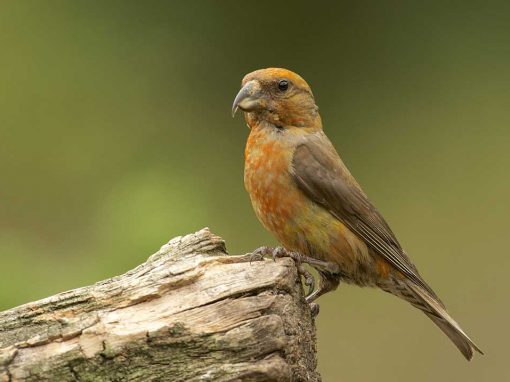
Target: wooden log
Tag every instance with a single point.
(189, 313)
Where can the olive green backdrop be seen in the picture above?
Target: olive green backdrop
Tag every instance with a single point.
(116, 135)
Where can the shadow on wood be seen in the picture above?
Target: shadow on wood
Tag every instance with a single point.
(189, 313)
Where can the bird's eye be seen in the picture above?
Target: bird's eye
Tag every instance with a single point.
(283, 85)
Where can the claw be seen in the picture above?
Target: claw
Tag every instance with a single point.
(314, 309)
(328, 272)
(259, 254)
(299, 260)
(327, 282)
(255, 257)
(309, 280)
(279, 252)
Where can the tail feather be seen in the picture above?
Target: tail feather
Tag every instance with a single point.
(436, 311)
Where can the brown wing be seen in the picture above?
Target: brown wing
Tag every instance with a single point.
(321, 175)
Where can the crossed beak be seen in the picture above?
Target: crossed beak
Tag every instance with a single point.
(248, 98)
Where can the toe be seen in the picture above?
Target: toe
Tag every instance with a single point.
(314, 309)
(255, 257)
(279, 252)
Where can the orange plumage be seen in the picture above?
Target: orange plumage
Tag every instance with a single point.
(303, 193)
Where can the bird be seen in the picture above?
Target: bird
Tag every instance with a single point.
(303, 194)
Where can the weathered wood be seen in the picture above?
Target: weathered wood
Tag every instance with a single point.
(190, 313)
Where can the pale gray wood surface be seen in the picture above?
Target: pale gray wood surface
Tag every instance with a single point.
(189, 313)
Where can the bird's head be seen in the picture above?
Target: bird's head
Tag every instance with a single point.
(279, 97)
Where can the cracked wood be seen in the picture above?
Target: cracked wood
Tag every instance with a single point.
(189, 313)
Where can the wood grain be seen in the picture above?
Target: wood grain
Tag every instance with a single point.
(191, 312)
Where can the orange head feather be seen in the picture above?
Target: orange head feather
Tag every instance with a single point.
(279, 97)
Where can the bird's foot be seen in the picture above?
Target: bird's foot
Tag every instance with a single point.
(320, 265)
(309, 281)
(327, 272)
(308, 278)
(327, 283)
(314, 309)
(259, 253)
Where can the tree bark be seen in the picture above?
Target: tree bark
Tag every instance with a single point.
(189, 313)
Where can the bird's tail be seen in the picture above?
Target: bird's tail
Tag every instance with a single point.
(431, 305)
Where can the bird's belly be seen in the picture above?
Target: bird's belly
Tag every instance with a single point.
(314, 232)
(302, 225)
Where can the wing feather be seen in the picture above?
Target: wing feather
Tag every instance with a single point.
(321, 175)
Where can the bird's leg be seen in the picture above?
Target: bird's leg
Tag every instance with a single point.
(328, 279)
(302, 271)
(320, 265)
(328, 274)
(309, 280)
(277, 252)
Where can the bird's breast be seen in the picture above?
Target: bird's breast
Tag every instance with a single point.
(297, 222)
(268, 181)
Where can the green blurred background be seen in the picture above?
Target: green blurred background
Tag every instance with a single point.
(116, 135)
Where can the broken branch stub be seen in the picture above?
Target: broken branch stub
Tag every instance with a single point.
(189, 313)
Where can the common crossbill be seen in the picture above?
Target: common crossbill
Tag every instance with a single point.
(303, 193)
